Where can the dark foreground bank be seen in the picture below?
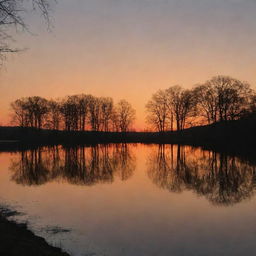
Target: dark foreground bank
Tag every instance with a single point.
(17, 240)
(240, 133)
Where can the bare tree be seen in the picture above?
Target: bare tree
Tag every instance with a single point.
(69, 111)
(83, 102)
(207, 102)
(106, 110)
(95, 113)
(157, 109)
(30, 111)
(54, 115)
(19, 112)
(76, 113)
(233, 96)
(12, 15)
(125, 115)
(114, 120)
(181, 102)
(223, 98)
(40, 110)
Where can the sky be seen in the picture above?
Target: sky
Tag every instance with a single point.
(130, 49)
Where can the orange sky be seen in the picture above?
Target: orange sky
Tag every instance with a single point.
(130, 49)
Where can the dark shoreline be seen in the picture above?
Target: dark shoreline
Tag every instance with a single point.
(240, 134)
(17, 240)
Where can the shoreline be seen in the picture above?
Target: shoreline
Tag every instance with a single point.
(236, 137)
(239, 133)
(17, 240)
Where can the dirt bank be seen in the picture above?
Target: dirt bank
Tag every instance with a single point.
(17, 240)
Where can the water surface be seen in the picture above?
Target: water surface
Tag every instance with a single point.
(134, 199)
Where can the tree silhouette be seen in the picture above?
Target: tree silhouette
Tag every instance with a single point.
(30, 112)
(220, 99)
(12, 14)
(181, 104)
(73, 113)
(167, 106)
(224, 98)
(53, 120)
(125, 115)
(158, 112)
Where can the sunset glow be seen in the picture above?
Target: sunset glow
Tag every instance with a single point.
(130, 49)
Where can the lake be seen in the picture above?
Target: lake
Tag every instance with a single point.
(134, 199)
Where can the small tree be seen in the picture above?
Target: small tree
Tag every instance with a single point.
(181, 104)
(157, 109)
(125, 115)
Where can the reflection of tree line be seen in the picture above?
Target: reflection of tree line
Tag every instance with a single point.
(75, 165)
(222, 179)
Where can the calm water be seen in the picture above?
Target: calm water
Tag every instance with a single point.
(134, 199)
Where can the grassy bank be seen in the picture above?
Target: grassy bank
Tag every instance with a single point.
(17, 240)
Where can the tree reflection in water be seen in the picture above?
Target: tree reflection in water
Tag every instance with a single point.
(222, 179)
(75, 165)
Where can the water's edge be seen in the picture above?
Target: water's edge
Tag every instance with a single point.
(17, 239)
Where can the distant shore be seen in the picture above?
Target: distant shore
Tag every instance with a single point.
(17, 240)
(241, 133)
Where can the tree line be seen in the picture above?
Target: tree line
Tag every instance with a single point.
(222, 98)
(219, 99)
(74, 113)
